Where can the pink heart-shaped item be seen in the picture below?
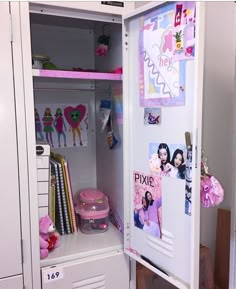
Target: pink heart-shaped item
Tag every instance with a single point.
(74, 115)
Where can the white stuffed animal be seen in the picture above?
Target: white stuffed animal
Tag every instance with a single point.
(155, 164)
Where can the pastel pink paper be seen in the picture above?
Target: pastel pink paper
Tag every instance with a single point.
(79, 74)
(168, 42)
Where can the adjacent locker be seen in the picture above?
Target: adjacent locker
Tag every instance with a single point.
(10, 244)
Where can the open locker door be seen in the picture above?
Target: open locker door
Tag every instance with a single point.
(163, 80)
(10, 245)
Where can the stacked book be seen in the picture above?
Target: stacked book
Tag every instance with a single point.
(61, 207)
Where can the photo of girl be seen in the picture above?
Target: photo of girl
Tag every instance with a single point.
(176, 168)
(167, 160)
(164, 155)
(151, 218)
(147, 203)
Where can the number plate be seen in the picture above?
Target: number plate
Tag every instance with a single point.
(53, 274)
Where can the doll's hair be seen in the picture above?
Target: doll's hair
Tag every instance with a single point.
(47, 112)
(36, 113)
(58, 112)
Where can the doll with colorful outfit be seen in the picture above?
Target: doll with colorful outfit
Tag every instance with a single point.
(47, 124)
(59, 125)
(38, 126)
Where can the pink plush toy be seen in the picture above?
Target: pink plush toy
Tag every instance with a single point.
(212, 193)
(155, 164)
(48, 238)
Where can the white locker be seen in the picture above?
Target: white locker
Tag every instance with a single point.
(10, 244)
(113, 8)
(15, 282)
(47, 26)
(67, 32)
(103, 271)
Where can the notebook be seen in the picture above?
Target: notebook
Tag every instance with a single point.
(58, 208)
(52, 197)
(60, 159)
(70, 195)
(63, 199)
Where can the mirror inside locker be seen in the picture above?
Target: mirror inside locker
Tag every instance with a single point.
(77, 78)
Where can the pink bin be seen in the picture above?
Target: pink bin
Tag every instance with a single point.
(92, 209)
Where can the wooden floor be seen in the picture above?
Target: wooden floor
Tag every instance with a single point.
(146, 279)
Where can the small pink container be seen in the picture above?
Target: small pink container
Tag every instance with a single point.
(92, 209)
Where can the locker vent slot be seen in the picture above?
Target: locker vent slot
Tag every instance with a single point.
(97, 282)
(164, 245)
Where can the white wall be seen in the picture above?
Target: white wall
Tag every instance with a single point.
(218, 108)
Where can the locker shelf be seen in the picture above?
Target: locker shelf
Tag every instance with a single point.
(76, 74)
(79, 245)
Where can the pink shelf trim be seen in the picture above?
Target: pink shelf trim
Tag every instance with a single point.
(79, 74)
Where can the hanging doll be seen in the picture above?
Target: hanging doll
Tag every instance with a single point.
(103, 42)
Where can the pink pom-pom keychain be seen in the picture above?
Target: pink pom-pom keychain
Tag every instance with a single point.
(211, 191)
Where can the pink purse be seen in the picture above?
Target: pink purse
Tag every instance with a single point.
(211, 191)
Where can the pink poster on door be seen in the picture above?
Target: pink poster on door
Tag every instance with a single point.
(166, 41)
(147, 203)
